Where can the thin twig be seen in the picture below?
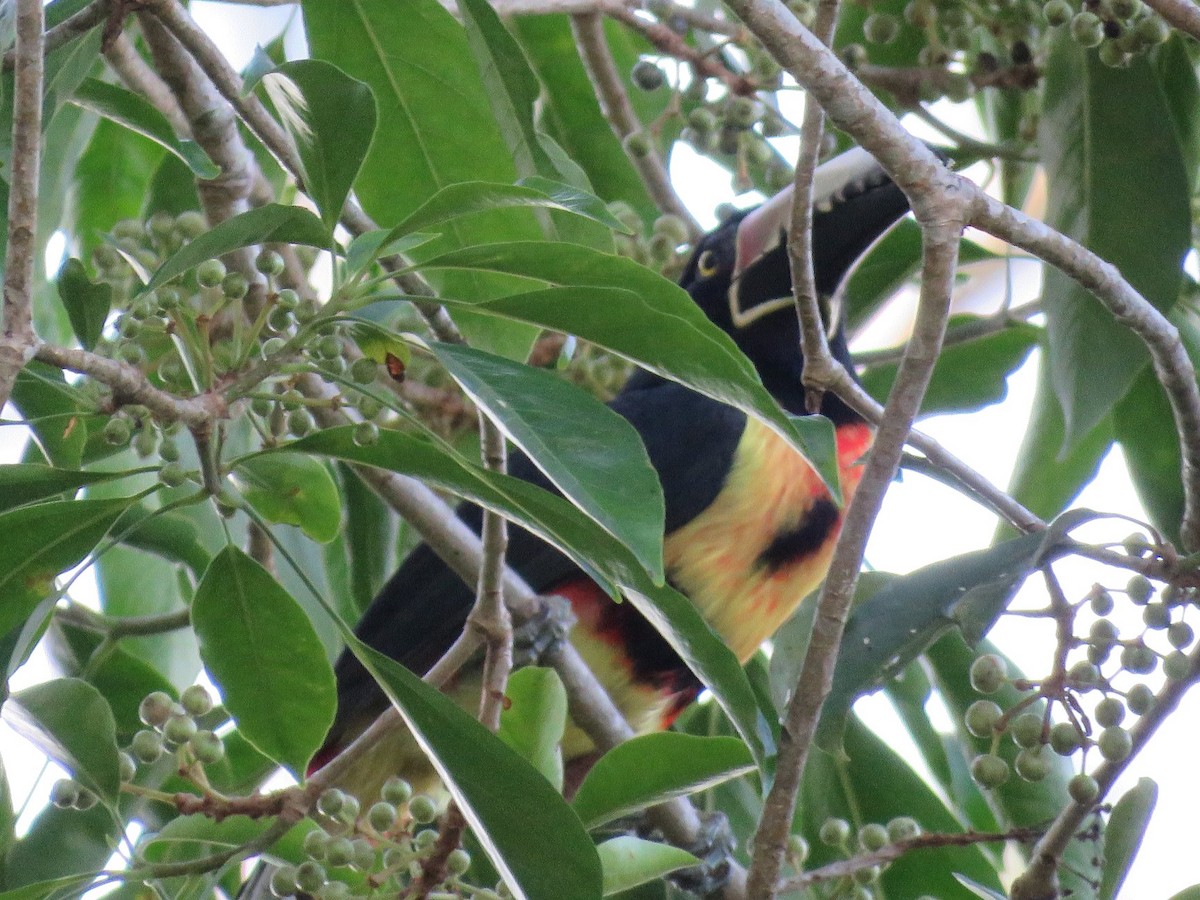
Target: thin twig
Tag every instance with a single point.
(606, 81)
(115, 628)
(18, 342)
(68, 29)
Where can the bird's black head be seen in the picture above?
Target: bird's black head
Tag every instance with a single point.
(739, 274)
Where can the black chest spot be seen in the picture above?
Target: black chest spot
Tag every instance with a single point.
(803, 539)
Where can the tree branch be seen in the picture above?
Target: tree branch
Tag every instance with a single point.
(1181, 14)
(66, 30)
(18, 342)
(139, 77)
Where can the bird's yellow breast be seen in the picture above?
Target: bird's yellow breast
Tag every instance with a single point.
(717, 559)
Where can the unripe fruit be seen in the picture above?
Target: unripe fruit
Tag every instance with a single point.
(310, 876)
(854, 56)
(156, 708)
(127, 765)
(834, 832)
(902, 828)
(196, 700)
(1152, 31)
(422, 809)
(638, 144)
(117, 432)
(363, 371)
(1109, 712)
(287, 299)
(350, 809)
(742, 112)
(1083, 789)
(64, 793)
(235, 286)
(207, 747)
(988, 674)
(1057, 12)
(381, 816)
(1139, 659)
(396, 791)
(1156, 616)
(210, 273)
(328, 347)
(316, 842)
(989, 771)
(1026, 730)
(84, 800)
(425, 839)
(1064, 738)
(798, 848)
(179, 729)
(1180, 635)
(168, 450)
(1032, 763)
(1140, 589)
(1087, 29)
(1083, 675)
(339, 852)
(867, 875)
(1139, 699)
(364, 855)
(458, 861)
(1177, 665)
(307, 309)
(191, 224)
(920, 13)
(872, 836)
(1137, 544)
(172, 474)
(881, 28)
(336, 890)
(1103, 633)
(1114, 744)
(147, 746)
(268, 262)
(331, 802)
(300, 422)
(647, 75)
(283, 882)
(981, 718)
(366, 434)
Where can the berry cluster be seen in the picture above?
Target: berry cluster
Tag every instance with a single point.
(839, 835)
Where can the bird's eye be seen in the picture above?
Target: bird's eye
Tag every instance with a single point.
(706, 265)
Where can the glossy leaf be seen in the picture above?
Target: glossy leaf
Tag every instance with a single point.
(590, 453)
(62, 843)
(137, 114)
(370, 537)
(87, 303)
(261, 650)
(170, 535)
(1123, 835)
(527, 830)
(40, 542)
(906, 615)
(1102, 130)
(272, 223)
(331, 117)
(71, 722)
(653, 768)
(533, 720)
(22, 483)
(291, 489)
(629, 861)
(979, 890)
(54, 412)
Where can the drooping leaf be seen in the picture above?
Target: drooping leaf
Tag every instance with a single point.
(1102, 130)
(170, 535)
(370, 537)
(261, 650)
(331, 117)
(629, 861)
(1123, 835)
(71, 722)
(87, 303)
(653, 768)
(22, 483)
(269, 223)
(527, 830)
(291, 489)
(592, 454)
(1144, 426)
(533, 719)
(137, 114)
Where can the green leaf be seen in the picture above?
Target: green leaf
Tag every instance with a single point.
(628, 861)
(527, 830)
(71, 722)
(1123, 835)
(267, 224)
(984, 893)
(967, 376)
(261, 650)
(592, 454)
(53, 411)
(137, 114)
(68, 886)
(87, 303)
(457, 200)
(533, 720)
(653, 768)
(170, 535)
(370, 537)
(602, 557)
(291, 489)
(331, 117)
(365, 249)
(888, 630)
(40, 542)
(62, 843)
(22, 483)
(1143, 424)
(1102, 130)
(1192, 893)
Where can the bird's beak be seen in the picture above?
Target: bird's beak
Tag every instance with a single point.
(763, 233)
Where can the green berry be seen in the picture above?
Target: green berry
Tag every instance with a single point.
(280, 320)
(1065, 738)
(283, 882)
(307, 309)
(1156, 616)
(65, 792)
(854, 56)
(1114, 744)
(989, 673)
(310, 876)
(1083, 676)
(834, 832)
(117, 432)
(364, 855)
(350, 809)
(1139, 659)
(422, 809)
(1026, 730)
(126, 765)
(316, 842)
(147, 746)
(271, 346)
(742, 112)
(210, 273)
(146, 441)
(207, 747)
(131, 353)
(287, 299)
(84, 800)
(364, 370)
(1103, 633)
(981, 718)
(172, 474)
(1139, 589)
(196, 700)
(647, 76)
(235, 286)
(920, 13)
(1110, 712)
(881, 28)
(336, 890)
(798, 848)
(191, 224)
(168, 450)
(156, 708)
(703, 119)
(396, 791)
(989, 771)
(381, 816)
(425, 839)
(1139, 699)
(1137, 544)
(458, 861)
(872, 837)
(328, 347)
(1152, 31)
(1087, 29)
(269, 263)
(867, 875)
(1177, 665)
(366, 434)
(300, 422)
(902, 828)
(1032, 763)
(1083, 789)
(339, 852)
(1180, 635)
(331, 802)
(292, 399)
(179, 729)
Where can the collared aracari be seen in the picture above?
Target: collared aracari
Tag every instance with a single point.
(749, 526)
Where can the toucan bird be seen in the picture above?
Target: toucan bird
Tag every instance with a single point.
(750, 528)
